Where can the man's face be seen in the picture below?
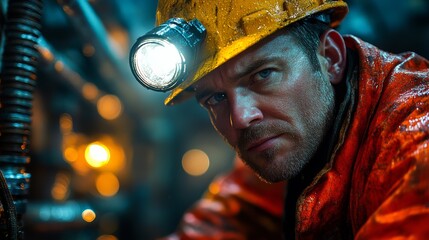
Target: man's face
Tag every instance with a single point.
(271, 105)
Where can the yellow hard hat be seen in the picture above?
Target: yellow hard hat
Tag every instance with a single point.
(235, 25)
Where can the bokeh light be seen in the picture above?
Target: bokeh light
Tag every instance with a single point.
(90, 91)
(88, 215)
(214, 188)
(109, 107)
(97, 154)
(117, 160)
(66, 123)
(107, 237)
(195, 162)
(88, 50)
(70, 154)
(107, 184)
(59, 66)
(60, 189)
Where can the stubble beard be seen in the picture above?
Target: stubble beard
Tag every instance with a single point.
(264, 163)
(282, 164)
(276, 164)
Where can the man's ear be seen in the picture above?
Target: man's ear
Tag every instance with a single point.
(333, 49)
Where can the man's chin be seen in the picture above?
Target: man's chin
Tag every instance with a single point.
(275, 176)
(269, 178)
(271, 171)
(264, 171)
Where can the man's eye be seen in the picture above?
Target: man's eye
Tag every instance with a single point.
(215, 99)
(261, 75)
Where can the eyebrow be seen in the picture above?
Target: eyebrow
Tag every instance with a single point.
(247, 70)
(254, 65)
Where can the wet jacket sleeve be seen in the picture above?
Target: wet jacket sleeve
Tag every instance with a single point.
(405, 211)
(237, 205)
(399, 170)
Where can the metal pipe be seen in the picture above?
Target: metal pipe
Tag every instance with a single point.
(18, 74)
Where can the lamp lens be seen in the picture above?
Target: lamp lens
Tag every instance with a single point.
(158, 63)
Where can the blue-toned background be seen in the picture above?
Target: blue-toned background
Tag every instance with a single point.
(86, 97)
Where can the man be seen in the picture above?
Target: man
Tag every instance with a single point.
(344, 123)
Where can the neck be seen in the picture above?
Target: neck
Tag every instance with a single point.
(297, 185)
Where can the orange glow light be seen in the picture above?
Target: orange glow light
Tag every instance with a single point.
(107, 237)
(60, 190)
(97, 154)
(89, 91)
(70, 154)
(107, 184)
(195, 162)
(59, 66)
(88, 215)
(66, 123)
(109, 107)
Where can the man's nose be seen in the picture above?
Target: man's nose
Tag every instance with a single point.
(244, 110)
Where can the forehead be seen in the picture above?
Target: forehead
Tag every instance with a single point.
(278, 45)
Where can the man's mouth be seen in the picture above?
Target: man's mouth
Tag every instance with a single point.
(262, 143)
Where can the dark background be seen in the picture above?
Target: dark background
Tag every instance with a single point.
(90, 48)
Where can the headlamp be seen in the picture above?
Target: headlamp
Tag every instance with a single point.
(162, 58)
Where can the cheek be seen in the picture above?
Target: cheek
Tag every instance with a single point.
(221, 124)
(296, 100)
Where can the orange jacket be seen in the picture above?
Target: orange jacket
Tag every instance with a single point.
(237, 205)
(377, 181)
(375, 184)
